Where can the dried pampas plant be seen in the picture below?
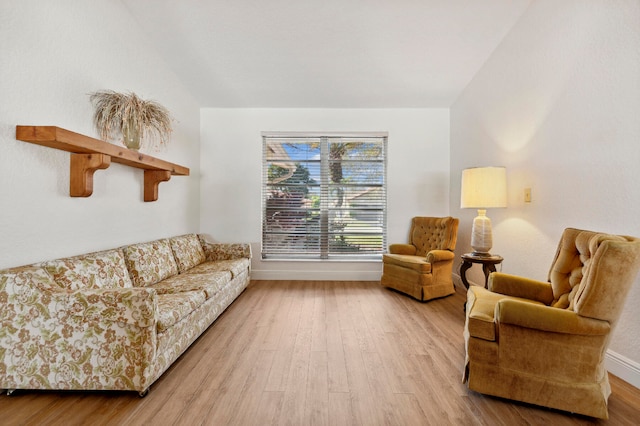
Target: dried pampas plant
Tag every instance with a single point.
(124, 114)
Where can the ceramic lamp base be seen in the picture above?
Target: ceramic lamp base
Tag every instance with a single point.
(481, 236)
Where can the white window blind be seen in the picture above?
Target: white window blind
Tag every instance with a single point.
(324, 197)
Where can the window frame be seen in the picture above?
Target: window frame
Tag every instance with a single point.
(326, 254)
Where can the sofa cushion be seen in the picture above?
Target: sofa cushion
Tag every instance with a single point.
(235, 266)
(151, 262)
(105, 269)
(209, 283)
(25, 283)
(187, 251)
(174, 307)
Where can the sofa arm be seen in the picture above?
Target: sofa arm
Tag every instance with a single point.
(546, 318)
(86, 339)
(225, 251)
(439, 255)
(407, 249)
(135, 306)
(526, 288)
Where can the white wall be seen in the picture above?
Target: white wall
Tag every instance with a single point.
(52, 54)
(231, 163)
(558, 104)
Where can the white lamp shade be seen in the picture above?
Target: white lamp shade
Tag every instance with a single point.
(484, 187)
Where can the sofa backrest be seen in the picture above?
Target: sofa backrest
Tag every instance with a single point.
(138, 265)
(592, 272)
(187, 250)
(25, 284)
(433, 233)
(104, 269)
(151, 262)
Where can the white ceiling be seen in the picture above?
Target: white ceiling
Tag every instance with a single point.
(326, 53)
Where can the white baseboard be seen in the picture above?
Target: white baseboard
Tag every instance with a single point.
(306, 275)
(623, 367)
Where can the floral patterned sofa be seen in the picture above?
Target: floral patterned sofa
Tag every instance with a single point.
(115, 319)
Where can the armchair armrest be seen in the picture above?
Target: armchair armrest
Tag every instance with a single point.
(136, 306)
(526, 288)
(439, 255)
(546, 318)
(408, 249)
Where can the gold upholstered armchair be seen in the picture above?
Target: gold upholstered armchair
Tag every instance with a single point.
(545, 342)
(422, 268)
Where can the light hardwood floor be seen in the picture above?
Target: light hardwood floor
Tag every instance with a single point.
(314, 353)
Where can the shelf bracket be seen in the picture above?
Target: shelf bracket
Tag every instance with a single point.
(83, 166)
(152, 179)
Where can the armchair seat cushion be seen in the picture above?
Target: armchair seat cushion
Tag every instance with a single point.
(416, 263)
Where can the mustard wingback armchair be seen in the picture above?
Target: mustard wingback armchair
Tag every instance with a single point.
(544, 343)
(422, 268)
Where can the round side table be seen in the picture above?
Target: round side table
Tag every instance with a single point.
(488, 263)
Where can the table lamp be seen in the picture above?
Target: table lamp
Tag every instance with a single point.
(483, 188)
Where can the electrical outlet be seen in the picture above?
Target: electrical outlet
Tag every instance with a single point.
(527, 195)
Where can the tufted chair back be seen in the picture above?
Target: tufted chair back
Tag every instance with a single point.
(593, 272)
(433, 233)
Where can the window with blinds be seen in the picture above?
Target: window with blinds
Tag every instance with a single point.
(324, 196)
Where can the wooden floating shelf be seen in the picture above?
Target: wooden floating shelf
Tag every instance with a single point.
(89, 154)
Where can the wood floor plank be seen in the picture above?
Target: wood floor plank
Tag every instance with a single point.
(337, 367)
(280, 369)
(56, 410)
(319, 318)
(341, 410)
(390, 348)
(269, 409)
(436, 383)
(365, 410)
(413, 415)
(314, 352)
(317, 399)
(297, 380)
(11, 410)
(252, 392)
(276, 325)
(380, 390)
(239, 388)
(230, 379)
